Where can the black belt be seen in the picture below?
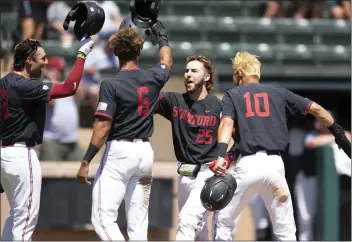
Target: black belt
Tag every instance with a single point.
(268, 152)
(131, 140)
(11, 143)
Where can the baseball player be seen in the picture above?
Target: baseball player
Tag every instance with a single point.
(194, 117)
(22, 111)
(259, 114)
(124, 114)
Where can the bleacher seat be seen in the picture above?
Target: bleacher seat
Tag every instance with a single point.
(224, 8)
(297, 54)
(186, 8)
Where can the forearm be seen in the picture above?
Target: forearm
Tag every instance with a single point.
(166, 56)
(224, 136)
(69, 87)
(321, 114)
(97, 141)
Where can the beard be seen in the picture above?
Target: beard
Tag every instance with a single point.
(193, 87)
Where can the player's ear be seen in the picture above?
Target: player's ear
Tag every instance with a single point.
(207, 77)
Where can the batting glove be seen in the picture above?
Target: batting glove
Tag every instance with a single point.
(86, 46)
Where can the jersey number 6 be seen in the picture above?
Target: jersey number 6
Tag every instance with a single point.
(4, 109)
(263, 96)
(143, 102)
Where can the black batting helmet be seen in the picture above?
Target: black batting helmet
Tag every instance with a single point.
(89, 17)
(218, 192)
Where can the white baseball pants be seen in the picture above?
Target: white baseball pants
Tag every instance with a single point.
(306, 197)
(21, 179)
(125, 173)
(256, 174)
(192, 215)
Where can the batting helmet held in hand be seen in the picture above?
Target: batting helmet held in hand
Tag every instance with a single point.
(218, 192)
(89, 17)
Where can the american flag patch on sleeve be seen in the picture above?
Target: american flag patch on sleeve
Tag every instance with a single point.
(102, 106)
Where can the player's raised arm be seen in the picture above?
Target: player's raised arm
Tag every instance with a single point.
(164, 49)
(325, 117)
(70, 85)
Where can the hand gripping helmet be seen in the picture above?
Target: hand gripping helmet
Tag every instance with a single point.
(144, 14)
(89, 17)
(218, 192)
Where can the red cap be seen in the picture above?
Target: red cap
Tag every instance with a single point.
(56, 62)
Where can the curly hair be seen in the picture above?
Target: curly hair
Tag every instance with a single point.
(23, 50)
(247, 63)
(126, 43)
(208, 66)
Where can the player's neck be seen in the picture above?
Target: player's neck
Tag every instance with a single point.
(251, 79)
(199, 94)
(23, 73)
(129, 65)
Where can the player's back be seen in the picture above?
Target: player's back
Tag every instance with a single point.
(261, 113)
(130, 100)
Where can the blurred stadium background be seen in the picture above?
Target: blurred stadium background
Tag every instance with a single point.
(304, 46)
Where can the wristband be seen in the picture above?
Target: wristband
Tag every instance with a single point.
(163, 43)
(91, 152)
(222, 148)
(81, 55)
(337, 131)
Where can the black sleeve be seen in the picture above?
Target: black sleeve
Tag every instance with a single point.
(228, 108)
(165, 105)
(107, 100)
(33, 90)
(296, 104)
(161, 73)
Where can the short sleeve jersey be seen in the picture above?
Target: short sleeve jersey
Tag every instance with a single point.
(130, 99)
(260, 114)
(194, 126)
(22, 108)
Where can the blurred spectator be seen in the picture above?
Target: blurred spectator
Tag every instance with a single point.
(32, 16)
(113, 19)
(306, 181)
(309, 9)
(276, 9)
(102, 57)
(341, 9)
(61, 132)
(56, 14)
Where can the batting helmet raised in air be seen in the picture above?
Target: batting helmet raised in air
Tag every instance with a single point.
(218, 192)
(89, 17)
(144, 14)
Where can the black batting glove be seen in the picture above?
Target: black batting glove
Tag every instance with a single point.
(159, 31)
(340, 138)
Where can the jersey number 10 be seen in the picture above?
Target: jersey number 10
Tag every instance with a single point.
(143, 102)
(257, 96)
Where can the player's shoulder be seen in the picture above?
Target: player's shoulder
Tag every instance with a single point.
(13, 80)
(214, 99)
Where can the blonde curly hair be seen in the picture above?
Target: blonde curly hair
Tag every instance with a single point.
(247, 63)
(209, 85)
